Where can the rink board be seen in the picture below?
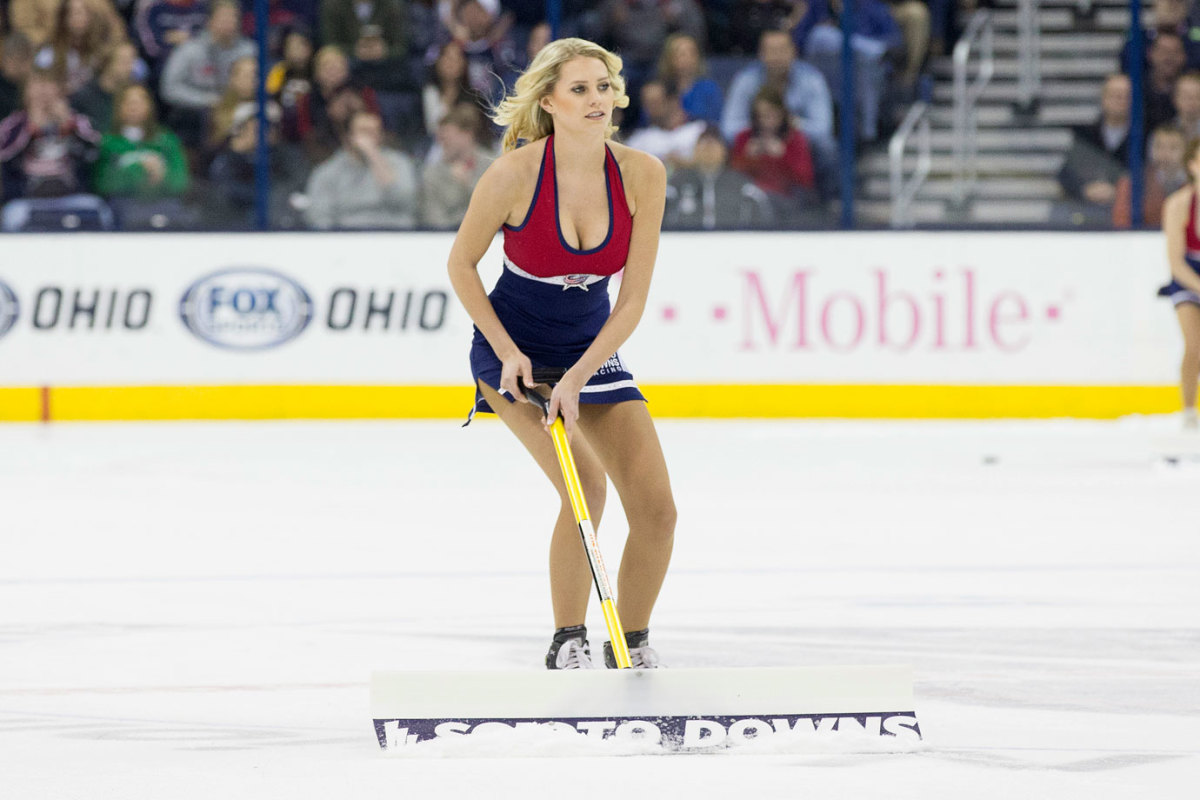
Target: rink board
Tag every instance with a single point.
(679, 709)
(361, 326)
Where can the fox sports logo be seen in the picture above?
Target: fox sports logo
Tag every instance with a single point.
(8, 308)
(246, 308)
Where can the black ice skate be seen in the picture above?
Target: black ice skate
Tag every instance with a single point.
(570, 649)
(641, 654)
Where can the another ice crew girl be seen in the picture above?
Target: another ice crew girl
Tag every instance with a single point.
(575, 209)
(1183, 258)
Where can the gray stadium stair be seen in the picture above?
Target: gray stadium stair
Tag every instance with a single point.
(1020, 150)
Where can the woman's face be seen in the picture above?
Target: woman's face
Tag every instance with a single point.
(297, 50)
(243, 78)
(135, 108)
(120, 67)
(685, 56)
(768, 116)
(451, 64)
(582, 97)
(332, 70)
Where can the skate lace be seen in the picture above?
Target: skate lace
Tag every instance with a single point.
(643, 657)
(574, 654)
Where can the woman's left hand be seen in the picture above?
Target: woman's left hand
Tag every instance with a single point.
(564, 399)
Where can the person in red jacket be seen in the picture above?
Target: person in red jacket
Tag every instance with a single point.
(775, 155)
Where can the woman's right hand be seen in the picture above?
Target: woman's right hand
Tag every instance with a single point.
(514, 366)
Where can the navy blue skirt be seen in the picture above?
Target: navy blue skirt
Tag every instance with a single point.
(1178, 294)
(553, 324)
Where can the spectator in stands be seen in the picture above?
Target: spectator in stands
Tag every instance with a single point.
(539, 36)
(637, 28)
(79, 44)
(424, 27)
(342, 22)
(391, 79)
(291, 78)
(1100, 152)
(489, 50)
(197, 71)
(1170, 16)
(282, 16)
(913, 18)
(805, 95)
(324, 113)
(365, 185)
(36, 18)
(46, 155)
(876, 42)
(16, 63)
(775, 155)
(709, 194)
(141, 168)
(751, 18)
(450, 176)
(446, 86)
(242, 88)
(670, 136)
(231, 192)
(95, 100)
(1164, 173)
(682, 65)
(1167, 61)
(1186, 99)
(163, 25)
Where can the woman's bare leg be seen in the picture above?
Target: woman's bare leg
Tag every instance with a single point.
(570, 575)
(622, 435)
(1189, 368)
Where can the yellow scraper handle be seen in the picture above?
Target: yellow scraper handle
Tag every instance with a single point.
(558, 432)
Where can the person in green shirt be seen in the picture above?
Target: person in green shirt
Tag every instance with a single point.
(139, 158)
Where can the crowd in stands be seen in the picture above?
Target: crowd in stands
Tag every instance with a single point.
(1095, 176)
(140, 114)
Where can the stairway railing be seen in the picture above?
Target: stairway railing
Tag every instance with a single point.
(904, 192)
(977, 39)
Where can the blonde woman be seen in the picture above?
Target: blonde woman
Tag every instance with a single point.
(575, 208)
(1183, 259)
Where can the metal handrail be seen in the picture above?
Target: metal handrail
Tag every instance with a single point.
(979, 33)
(905, 192)
(1029, 52)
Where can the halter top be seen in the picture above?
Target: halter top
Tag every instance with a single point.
(537, 246)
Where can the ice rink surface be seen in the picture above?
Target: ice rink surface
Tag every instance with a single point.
(194, 610)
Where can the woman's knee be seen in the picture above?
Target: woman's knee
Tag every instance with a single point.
(656, 516)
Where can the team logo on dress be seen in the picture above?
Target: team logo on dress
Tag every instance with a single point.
(9, 308)
(575, 282)
(246, 308)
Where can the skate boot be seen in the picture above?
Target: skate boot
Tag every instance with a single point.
(570, 650)
(1190, 420)
(641, 654)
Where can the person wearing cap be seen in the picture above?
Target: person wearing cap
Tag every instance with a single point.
(364, 185)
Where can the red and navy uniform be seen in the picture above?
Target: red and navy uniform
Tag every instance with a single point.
(553, 298)
(1174, 290)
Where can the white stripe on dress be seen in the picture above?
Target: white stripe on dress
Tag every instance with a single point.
(608, 387)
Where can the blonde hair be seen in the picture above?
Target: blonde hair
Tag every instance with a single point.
(521, 113)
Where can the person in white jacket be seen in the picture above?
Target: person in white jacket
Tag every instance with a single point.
(364, 185)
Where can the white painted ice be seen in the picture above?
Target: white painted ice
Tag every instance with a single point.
(193, 610)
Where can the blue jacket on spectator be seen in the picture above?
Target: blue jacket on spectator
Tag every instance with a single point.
(703, 101)
(872, 19)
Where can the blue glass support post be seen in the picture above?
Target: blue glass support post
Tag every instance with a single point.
(1137, 121)
(262, 152)
(847, 155)
(554, 17)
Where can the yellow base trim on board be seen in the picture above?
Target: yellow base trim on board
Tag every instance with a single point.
(20, 404)
(71, 403)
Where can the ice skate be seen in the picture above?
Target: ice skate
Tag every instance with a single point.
(641, 654)
(570, 649)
